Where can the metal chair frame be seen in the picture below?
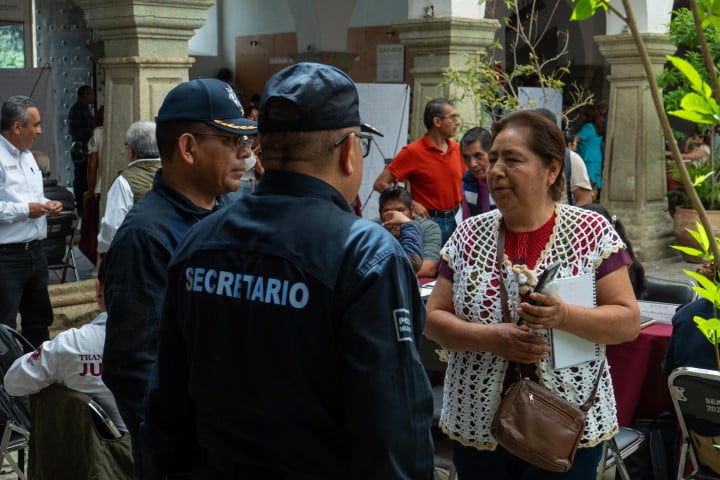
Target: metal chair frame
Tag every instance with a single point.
(67, 230)
(706, 407)
(617, 449)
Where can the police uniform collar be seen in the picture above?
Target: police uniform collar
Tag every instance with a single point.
(282, 182)
(180, 201)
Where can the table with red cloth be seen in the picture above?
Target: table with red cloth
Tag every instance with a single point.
(640, 388)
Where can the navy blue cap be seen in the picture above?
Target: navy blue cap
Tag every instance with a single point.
(206, 100)
(310, 96)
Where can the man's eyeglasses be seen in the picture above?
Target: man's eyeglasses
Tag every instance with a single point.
(454, 116)
(240, 142)
(365, 141)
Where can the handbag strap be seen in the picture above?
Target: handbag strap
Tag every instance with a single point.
(506, 311)
(500, 252)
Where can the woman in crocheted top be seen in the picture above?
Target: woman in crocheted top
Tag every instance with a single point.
(465, 313)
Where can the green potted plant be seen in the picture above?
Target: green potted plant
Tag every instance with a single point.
(706, 186)
(687, 95)
(698, 105)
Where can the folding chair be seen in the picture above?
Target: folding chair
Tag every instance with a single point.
(61, 231)
(73, 438)
(617, 449)
(15, 435)
(15, 411)
(668, 290)
(695, 394)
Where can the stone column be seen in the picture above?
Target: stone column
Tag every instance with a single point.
(342, 60)
(322, 29)
(437, 44)
(634, 179)
(146, 55)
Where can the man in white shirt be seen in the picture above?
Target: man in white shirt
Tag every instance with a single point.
(23, 226)
(132, 183)
(73, 359)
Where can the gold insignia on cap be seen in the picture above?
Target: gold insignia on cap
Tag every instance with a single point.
(232, 125)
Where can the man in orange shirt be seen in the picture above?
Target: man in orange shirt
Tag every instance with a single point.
(433, 166)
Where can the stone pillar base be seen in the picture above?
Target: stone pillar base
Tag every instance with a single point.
(649, 227)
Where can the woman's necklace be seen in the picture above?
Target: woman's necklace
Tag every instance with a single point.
(524, 249)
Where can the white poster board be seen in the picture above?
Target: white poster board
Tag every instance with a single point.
(536, 97)
(387, 108)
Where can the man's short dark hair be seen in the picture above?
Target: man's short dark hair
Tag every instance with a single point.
(477, 134)
(15, 109)
(395, 192)
(435, 108)
(167, 134)
(84, 90)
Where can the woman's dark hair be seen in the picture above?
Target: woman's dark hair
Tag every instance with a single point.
(636, 270)
(543, 138)
(593, 115)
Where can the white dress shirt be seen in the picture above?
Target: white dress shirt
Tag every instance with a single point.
(95, 145)
(119, 202)
(73, 359)
(20, 183)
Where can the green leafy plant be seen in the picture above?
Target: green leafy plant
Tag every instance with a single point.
(704, 182)
(683, 35)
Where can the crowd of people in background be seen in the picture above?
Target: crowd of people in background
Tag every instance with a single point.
(230, 237)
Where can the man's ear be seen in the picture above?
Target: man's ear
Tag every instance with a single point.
(186, 145)
(347, 156)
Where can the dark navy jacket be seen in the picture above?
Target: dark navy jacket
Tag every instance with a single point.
(688, 346)
(135, 281)
(289, 340)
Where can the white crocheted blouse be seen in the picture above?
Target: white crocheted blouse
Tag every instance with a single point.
(581, 239)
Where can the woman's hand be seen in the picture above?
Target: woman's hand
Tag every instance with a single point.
(519, 344)
(550, 311)
(616, 319)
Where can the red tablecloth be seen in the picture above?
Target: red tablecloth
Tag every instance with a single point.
(635, 367)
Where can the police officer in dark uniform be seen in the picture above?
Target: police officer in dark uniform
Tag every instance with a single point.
(288, 342)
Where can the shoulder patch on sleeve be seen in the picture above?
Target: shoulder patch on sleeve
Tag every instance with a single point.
(403, 325)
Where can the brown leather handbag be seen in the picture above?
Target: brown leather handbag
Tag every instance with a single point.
(538, 426)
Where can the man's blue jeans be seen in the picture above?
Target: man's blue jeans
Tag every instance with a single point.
(447, 226)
